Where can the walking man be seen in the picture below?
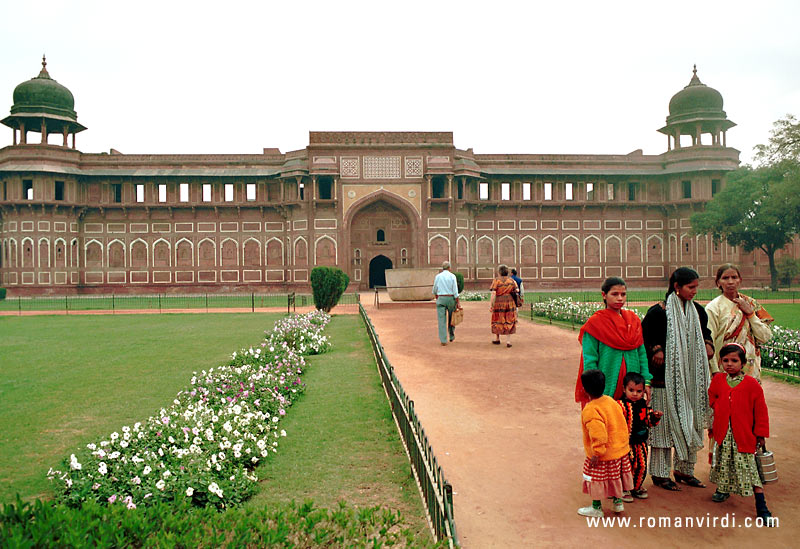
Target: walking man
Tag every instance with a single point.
(445, 290)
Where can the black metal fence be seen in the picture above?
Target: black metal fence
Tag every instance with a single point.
(163, 302)
(780, 359)
(436, 492)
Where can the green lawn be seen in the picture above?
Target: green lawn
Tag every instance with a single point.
(66, 381)
(342, 442)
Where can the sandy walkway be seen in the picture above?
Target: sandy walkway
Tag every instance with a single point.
(506, 431)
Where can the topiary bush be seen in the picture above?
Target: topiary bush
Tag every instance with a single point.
(327, 285)
(2, 294)
(460, 282)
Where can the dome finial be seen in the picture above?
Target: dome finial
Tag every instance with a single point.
(695, 81)
(44, 73)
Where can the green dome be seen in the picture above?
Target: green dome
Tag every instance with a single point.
(696, 101)
(43, 95)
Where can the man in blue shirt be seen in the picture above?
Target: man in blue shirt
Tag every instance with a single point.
(445, 290)
(518, 280)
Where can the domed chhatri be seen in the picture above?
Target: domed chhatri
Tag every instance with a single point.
(43, 105)
(694, 99)
(694, 111)
(43, 94)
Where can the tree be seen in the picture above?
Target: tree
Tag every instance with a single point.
(784, 143)
(788, 269)
(756, 210)
(327, 286)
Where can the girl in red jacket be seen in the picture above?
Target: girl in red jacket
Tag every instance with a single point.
(741, 424)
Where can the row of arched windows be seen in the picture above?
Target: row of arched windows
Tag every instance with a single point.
(570, 249)
(138, 253)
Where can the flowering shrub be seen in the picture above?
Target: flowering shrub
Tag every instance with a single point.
(563, 308)
(204, 447)
(473, 296)
(782, 352)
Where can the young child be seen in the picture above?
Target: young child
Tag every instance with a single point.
(639, 417)
(741, 423)
(607, 469)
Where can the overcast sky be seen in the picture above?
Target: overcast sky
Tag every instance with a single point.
(505, 77)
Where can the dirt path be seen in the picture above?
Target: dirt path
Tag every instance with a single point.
(506, 431)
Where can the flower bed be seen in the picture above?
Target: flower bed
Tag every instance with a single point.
(782, 352)
(204, 447)
(564, 309)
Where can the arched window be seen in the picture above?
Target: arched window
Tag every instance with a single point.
(381, 236)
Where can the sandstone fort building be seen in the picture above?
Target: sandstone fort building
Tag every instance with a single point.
(75, 222)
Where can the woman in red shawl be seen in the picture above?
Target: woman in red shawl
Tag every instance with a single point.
(612, 343)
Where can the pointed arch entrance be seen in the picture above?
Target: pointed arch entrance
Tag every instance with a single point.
(377, 270)
(382, 229)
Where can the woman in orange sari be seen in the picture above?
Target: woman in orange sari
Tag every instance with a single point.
(503, 307)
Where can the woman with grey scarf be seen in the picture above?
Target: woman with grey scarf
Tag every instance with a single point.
(678, 345)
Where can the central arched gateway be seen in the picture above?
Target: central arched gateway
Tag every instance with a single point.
(377, 270)
(382, 234)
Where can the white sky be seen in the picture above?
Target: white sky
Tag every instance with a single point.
(505, 77)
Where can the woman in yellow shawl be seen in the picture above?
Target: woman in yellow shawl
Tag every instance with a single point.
(737, 318)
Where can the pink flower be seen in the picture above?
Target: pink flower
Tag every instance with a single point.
(112, 499)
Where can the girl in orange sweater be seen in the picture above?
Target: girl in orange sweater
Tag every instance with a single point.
(607, 469)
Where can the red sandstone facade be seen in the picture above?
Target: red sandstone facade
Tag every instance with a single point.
(72, 222)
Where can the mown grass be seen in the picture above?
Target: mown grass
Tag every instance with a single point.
(66, 381)
(342, 442)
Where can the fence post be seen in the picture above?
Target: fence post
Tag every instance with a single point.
(19, 304)
(252, 302)
(206, 302)
(159, 303)
(66, 304)
(112, 304)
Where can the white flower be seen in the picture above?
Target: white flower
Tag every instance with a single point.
(147, 470)
(166, 474)
(124, 443)
(161, 484)
(114, 435)
(189, 491)
(136, 480)
(101, 468)
(73, 463)
(283, 433)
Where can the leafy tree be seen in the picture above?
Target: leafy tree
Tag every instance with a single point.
(760, 207)
(783, 145)
(756, 210)
(788, 269)
(327, 285)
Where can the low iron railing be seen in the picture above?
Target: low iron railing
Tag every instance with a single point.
(120, 303)
(436, 492)
(780, 359)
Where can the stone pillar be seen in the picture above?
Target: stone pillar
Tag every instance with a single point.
(44, 131)
(724, 138)
(677, 138)
(428, 178)
(66, 136)
(450, 187)
(14, 134)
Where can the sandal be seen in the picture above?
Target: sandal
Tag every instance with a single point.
(666, 484)
(641, 494)
(689, 480)
(496, 342)
(719, 497)
(508, 344)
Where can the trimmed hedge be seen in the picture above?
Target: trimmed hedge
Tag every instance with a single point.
(2, 293)
(47, 524)
(327, 285)
(460, 282)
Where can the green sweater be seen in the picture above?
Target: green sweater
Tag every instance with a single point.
(599, 356)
